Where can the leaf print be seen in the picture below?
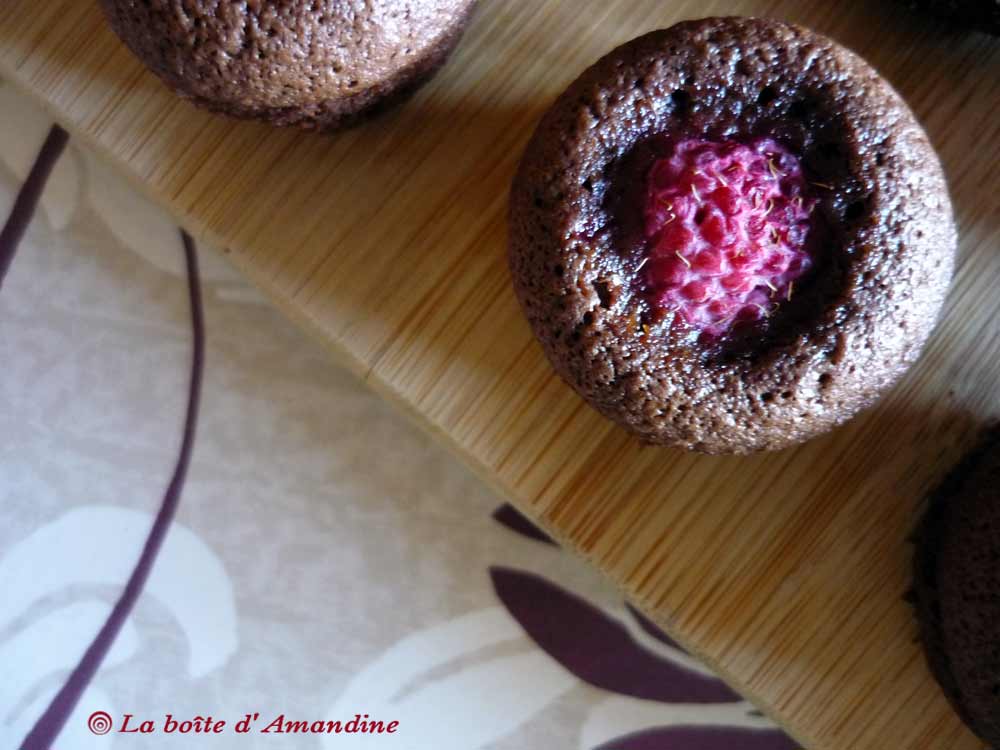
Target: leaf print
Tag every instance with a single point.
(99, 545)
(703, 738)
(147, 230)
(516, 521)
(436, 667)
(50, 645)
(25, 126)
(75, 735)
(652, 628)
(619, 719)
(597, 648)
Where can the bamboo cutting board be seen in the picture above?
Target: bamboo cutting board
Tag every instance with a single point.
(786, 571)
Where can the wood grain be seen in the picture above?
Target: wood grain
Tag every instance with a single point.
(785, 571)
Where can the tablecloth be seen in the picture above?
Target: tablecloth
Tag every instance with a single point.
(329, 560)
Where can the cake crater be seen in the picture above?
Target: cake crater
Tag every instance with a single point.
(860, 270)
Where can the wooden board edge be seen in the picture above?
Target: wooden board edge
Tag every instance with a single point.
(368, 377)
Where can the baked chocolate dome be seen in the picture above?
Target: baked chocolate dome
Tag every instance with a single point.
(982, 15)
(957, 588)
(314, 63)
(730, 235)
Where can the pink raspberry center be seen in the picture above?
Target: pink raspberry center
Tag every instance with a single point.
(726, 225)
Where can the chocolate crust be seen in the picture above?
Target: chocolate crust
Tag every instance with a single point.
(317, 65)
(850, 336)
(957, 587)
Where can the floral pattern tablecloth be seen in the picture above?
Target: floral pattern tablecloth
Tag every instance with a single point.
(328, 559)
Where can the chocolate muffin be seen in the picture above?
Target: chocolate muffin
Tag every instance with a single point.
(730, 235)
(982, 15)
(957, 588)
(313, 63)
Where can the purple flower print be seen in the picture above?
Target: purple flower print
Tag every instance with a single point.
(595, 647)
(514, 520)
(703, 738)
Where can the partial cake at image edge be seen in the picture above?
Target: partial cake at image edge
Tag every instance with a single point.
(956, 588)
(319, 65)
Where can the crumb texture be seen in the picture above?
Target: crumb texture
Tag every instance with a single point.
(314, 63)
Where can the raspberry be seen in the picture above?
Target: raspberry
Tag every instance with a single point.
(726, 225)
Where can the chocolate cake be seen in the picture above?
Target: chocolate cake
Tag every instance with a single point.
(982, 15)
(957, 588)
(730, 235)
(313, 63)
